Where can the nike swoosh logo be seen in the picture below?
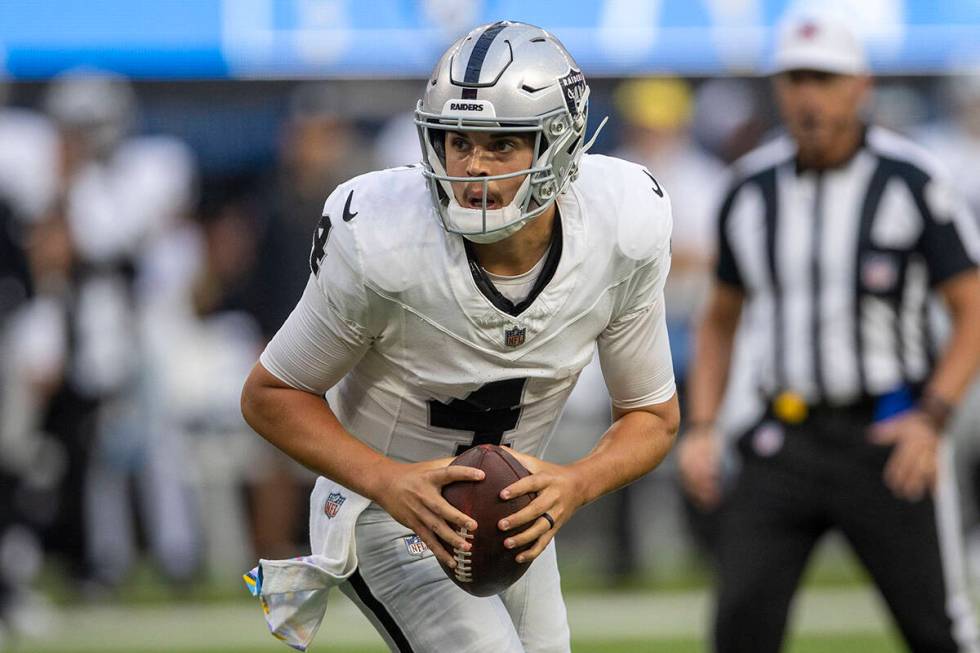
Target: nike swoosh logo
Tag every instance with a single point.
(348, 216)
(531, 89)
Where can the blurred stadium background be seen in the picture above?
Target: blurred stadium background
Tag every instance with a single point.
(162, 166)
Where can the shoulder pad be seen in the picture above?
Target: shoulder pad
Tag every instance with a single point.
(894, 145)
(767, 155)
(627, 199)
(389, 219)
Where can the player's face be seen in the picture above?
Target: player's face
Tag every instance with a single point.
(483, 154)
(820, 108)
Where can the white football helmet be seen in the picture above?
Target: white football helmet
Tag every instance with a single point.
(100, 105)
(505, 77)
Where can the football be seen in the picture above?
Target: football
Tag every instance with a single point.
(488, 568)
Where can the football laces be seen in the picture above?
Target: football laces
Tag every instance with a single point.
(463, 571)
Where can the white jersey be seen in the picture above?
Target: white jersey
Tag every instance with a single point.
(431, 359)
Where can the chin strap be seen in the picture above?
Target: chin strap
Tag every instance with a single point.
(585, 149)
(595, 135)
(506, 216)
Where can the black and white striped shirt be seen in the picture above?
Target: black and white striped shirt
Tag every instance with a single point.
(837, 265)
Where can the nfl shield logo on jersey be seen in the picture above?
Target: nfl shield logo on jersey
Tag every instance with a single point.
(880, 272)
(334, 501)
(514, 337)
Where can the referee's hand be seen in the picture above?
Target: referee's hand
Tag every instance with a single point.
(700, 467)
(911, 469)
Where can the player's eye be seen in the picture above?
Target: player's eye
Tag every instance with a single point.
(504, 145)
(459, 143)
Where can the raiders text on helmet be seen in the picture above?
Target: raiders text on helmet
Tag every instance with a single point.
(505, 77)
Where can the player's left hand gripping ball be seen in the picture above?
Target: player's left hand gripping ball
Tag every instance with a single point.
(489, 567)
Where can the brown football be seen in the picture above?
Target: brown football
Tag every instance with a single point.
(488, 568)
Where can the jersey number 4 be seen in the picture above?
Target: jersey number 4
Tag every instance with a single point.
(488, 412)
(320, 237)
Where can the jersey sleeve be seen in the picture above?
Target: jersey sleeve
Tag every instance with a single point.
(950, 240)
(315, 347)
(633, 349)
(726, 268)
(329, 330)
(336, 262)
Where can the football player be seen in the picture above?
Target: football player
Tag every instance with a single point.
(455, 304)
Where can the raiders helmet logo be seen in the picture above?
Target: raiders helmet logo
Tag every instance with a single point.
(573, 90)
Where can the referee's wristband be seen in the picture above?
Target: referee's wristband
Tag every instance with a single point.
(936, 409)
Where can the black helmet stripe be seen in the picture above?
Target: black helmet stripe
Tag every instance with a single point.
(475, 64)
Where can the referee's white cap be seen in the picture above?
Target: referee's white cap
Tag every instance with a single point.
(821, 42)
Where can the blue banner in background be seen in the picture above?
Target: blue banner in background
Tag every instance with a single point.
(215, 39)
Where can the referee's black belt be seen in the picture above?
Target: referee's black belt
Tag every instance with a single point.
(791, 408)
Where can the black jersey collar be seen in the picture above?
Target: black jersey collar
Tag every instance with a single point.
(490, 291)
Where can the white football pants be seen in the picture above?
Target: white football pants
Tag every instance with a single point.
(416, 608)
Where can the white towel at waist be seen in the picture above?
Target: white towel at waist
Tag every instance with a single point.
(294, 592)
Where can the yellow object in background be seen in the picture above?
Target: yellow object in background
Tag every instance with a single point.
(656, 103)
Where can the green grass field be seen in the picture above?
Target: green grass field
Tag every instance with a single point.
(844, 644)
(837, 620)
(837, 611)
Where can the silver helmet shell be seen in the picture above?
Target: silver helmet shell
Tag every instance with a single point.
(504, 77)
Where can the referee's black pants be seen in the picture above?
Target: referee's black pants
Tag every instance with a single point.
(798, 482)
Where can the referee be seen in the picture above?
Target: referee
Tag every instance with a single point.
(835, 239)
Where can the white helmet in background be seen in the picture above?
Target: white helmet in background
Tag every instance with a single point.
(98, 104)
(505, 77)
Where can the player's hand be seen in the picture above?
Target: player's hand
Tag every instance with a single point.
(911, 468)
(413, 497)
(559, 494)
(699, 463)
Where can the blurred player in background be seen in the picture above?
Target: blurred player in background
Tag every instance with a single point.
(445, 336)
(834, 237)
(31, 465)
(114, 197)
